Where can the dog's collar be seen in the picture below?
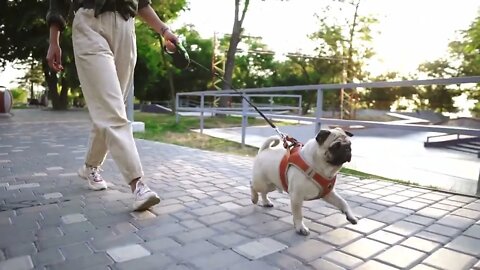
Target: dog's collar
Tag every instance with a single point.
(293, 157)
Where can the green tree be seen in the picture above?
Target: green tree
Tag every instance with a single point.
(34, 76)
(466, 52)
(438, 97)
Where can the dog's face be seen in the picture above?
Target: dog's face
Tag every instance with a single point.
(335, 145)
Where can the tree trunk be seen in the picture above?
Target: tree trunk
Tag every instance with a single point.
(232, 48)
(59, 101)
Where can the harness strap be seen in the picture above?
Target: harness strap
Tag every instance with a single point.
(292, 157)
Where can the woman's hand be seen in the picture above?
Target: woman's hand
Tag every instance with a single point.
(54, 57)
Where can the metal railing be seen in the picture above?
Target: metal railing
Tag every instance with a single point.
(318, 119)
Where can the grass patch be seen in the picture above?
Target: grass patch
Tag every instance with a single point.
(163, 128)
(363, 175)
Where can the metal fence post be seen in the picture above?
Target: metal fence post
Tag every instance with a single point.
(202, 105)
(478, 184)
(244, 119)
(177, 104)
(319, 110)
(300, 106)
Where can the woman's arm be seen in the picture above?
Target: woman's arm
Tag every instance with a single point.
(151, 18)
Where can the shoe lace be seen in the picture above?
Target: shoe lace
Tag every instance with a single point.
(95, 173)
(141, 189)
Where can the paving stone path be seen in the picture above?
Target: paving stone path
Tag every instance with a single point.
(50, 220)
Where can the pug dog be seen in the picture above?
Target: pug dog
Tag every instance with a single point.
(325, 154)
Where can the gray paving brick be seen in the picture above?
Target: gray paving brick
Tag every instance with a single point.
(195, 235)
(154, 232)
(161, 244)
(473, 231)
(343, 259)
(324, 264)
(404, 228)
(401, 257)
(340, 236)
(228, 226)
(374, 265)
(192, 250)
(456, 221)
(466, 245)
(48, 257)
(335, 220)
(386, 237)
(434, 237)
(449, 259)
(73, 218)
(419, 220)
(219, 260)
(104, 243)
(443, 230)
(216, 218)
(366, 226)
(423, 267)
(259, 248)
(473, 206)
(284, 261)
(80, 263)
(20, 249)
(127, 253)
(387, 216)
(270, 228)
(460, 198)
(324, 210)
(467, 213)
(432, 212)
(75, 251)
(157, 261)
(253, 265)
(309, 250)
(229, 240)
(316, 227)
(420, 244)
(362, 212)
(17, 263)
(364, 248)
(255, 218)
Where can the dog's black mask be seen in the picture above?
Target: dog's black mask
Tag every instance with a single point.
(340, 153)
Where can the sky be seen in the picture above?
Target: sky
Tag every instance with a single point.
(411, 31)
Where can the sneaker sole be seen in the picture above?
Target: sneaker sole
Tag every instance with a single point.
(96, 189)
(147, 204)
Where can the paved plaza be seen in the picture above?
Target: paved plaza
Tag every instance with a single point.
(50, 220)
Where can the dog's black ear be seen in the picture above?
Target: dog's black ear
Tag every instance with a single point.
(349, 134)
(322, 136)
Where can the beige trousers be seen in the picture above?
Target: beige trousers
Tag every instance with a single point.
(105, 56)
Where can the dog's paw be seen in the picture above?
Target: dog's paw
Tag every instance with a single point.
(268, 205)
(303, 231)
(352, 220)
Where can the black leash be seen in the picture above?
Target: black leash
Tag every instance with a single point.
(181, 60)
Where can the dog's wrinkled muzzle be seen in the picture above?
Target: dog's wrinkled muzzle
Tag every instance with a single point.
(340, 153)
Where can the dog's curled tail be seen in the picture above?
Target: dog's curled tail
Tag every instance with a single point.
(268, 143)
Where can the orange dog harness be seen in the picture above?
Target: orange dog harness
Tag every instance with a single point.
(292, 157)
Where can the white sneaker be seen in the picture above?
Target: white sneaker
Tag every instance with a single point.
(92, 174)
(144, 197)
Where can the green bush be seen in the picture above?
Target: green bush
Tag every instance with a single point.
(20, 95)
